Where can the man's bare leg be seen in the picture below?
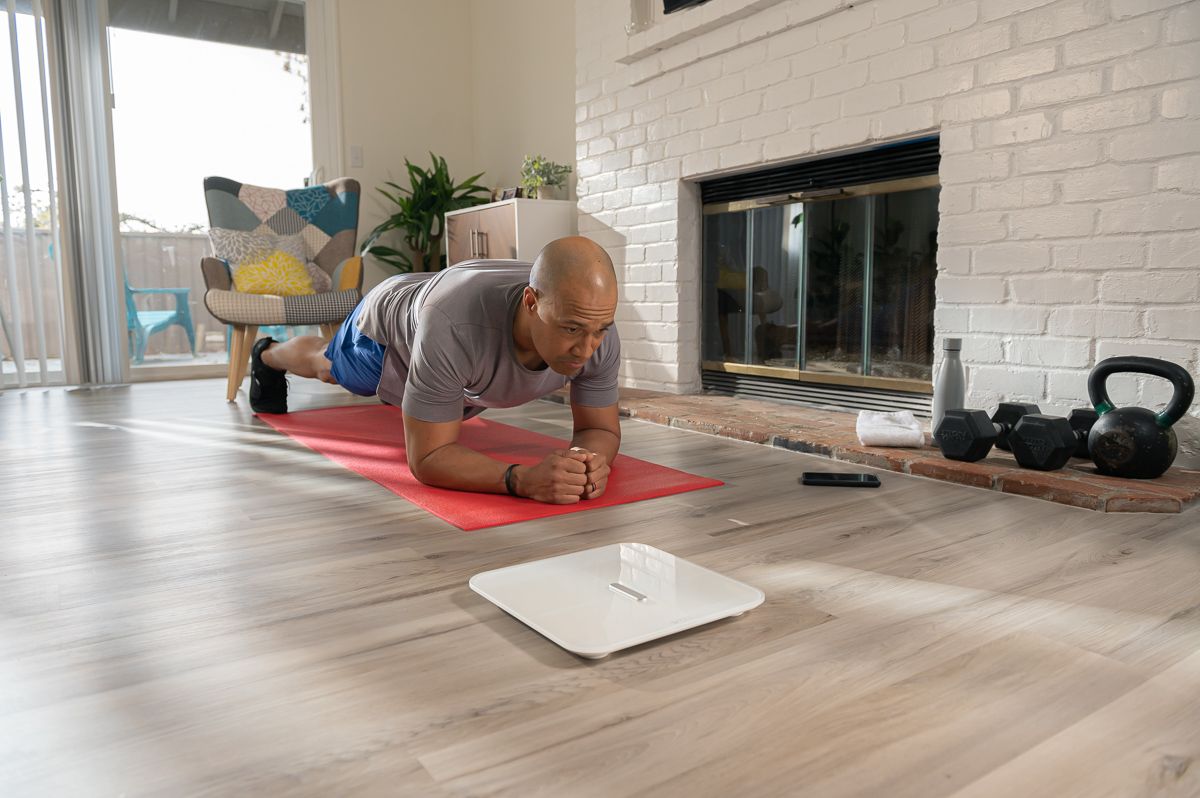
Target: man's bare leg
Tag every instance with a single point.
(303, 356)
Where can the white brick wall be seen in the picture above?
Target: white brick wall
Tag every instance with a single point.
(1070, 130)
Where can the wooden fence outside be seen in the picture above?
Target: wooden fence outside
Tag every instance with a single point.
(152, 260)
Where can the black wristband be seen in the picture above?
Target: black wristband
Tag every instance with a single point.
(508, 480)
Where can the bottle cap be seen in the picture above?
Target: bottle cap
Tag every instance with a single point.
(952, 344)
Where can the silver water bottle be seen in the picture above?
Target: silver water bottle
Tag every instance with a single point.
(950, 387)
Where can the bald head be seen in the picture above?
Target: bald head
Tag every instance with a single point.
(573, 267)
(568, 306)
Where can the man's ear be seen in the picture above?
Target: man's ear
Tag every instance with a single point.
(529, 299)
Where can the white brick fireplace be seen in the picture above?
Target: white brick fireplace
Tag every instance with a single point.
(1070, 168)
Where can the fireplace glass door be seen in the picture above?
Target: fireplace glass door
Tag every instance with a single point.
(839, 286)
(837, 261)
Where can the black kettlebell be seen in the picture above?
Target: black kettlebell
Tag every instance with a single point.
(1135, 442)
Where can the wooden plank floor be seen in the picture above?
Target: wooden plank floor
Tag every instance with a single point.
(193, 604)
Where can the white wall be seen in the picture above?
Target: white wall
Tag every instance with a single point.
(1070, 137)
(406, 90)
(465, 79)
(524, 84)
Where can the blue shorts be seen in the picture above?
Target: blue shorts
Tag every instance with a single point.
(357, 361)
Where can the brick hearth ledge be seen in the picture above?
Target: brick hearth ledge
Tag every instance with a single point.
(831, 434)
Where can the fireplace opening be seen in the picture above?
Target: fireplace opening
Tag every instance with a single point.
(823, 292)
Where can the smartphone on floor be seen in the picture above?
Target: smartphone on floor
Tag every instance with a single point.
(839, 479)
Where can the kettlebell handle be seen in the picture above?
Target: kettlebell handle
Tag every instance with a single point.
(1181, 400)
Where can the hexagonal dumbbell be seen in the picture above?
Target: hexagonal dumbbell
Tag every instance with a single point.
(1043, 443)
(1046, 443)
(969, 434)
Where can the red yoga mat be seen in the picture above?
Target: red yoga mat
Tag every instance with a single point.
(370, 442)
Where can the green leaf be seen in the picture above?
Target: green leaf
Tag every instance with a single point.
(419, 210)
(392, 257)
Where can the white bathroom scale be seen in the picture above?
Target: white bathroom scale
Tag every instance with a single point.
(602, 600)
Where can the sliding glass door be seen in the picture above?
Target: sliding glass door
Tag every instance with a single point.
(200, 89)
(31, 293)
(103, 211)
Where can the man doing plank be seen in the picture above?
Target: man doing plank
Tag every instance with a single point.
(444, 346)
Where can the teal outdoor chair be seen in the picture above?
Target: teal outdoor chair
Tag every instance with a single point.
(144, 323)
(321, 220)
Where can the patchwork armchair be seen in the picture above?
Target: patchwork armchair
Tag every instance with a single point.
(313, 231)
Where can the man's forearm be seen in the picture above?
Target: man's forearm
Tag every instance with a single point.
(600, 441)
(457, 467)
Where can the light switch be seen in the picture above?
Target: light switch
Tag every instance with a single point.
(356, 158)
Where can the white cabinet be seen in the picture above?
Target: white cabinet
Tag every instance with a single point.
(515, 228)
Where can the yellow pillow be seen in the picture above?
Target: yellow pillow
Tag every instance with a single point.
(280, 274)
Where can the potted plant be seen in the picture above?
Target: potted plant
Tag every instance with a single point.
(421, 210)
(542, 178)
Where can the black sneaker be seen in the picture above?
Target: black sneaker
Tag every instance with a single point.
(268, 386)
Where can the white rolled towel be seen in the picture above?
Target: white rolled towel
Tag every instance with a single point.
(889, 429)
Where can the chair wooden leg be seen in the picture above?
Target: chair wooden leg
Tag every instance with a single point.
(249, 336)
(328, 331)
(236, 357)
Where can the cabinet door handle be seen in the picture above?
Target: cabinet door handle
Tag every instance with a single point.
(483, 244)
(473, 244)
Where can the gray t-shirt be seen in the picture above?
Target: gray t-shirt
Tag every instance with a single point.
(450, 350)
